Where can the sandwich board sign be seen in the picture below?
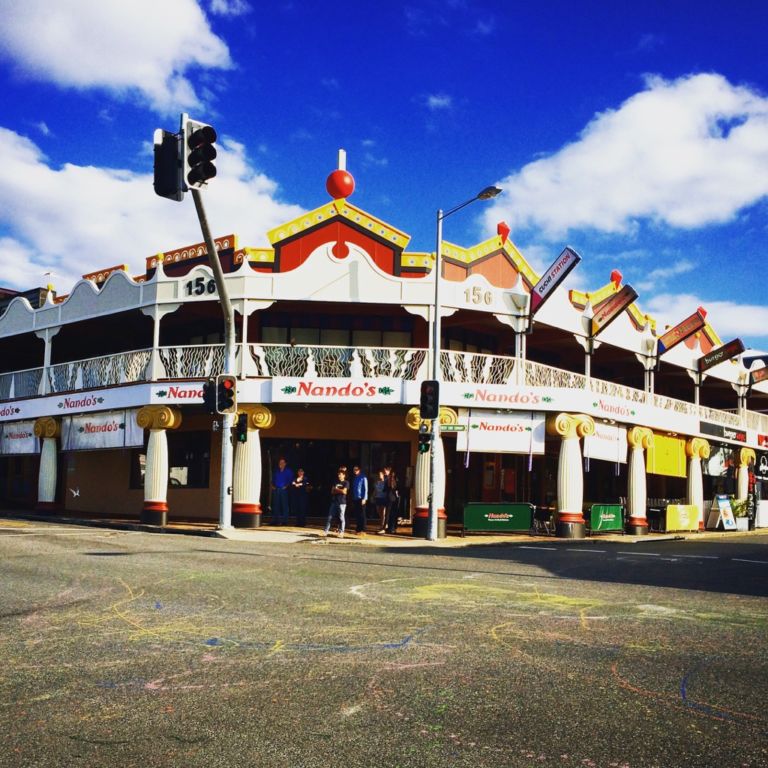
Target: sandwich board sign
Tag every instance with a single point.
(721, 514)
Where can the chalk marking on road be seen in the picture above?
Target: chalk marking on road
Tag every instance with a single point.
(547, 549)
(579, 549)
(641, 554)
(744, 560)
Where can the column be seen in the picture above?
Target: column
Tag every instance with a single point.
(47, 429)
(743, 456)
(157, 419)
(639, 439)
(421, 479)
(696, 449)
(47, 337)
(246, 482)
(570, 480)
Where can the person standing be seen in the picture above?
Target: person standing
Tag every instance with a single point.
(381, 500)
(282, 478)
(300, 489)
(338, 506)
(359, 498)
(393, 511)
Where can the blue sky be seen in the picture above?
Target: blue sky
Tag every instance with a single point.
(637, 133)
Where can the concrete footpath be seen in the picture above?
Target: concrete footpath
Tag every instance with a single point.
(313, 534)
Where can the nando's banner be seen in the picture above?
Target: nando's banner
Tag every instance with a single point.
(682, 330)
(555, 275)
(611, 308)
(720, 355)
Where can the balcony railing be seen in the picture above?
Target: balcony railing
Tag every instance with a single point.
(270, 360)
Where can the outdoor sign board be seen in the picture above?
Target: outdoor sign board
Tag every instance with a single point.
(493, 432)
(513, 516)
(719, 355)
(18, 437)
(605, 517)
(94, 431)
(609, 443)
(682, 331)
(761, 374)
(336, 390)
(719, 430)
(611, 308)
(555, 275)
(682, 517)
(721, 512)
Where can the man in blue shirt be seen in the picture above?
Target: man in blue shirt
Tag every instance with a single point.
(359, 497)
(282, 478)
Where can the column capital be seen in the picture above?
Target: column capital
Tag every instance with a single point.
(569, 425)
(413, 418)
(259, 416)
(47, 426)
(744, 456)
(697, 447)
(640, 437)
(158, 417)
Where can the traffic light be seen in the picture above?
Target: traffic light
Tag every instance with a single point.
(209, 395)
(226, 393)
(199, 152)
(242, 428)
(168, 165)
(425, 438)
(430, 400)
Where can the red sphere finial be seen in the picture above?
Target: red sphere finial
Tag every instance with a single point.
(340, 183)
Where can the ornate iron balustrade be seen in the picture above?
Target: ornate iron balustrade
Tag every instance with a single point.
(105, 371)
(538, 375)
(602, 387)
(199, 361)
(336, 362)
(727, 418)
(20, 383)
(476, 368)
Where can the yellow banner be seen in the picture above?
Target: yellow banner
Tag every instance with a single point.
(666, 456)
(682, 517)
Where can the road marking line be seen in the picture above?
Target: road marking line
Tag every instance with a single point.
(701, 557)
(579, 549)
(641, 554)
(742, 560)
(547, 549)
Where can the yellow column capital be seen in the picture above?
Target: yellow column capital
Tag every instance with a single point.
(744, 456)
(697, 447)
(259, 416)
(158, 417)
(413, 418)
(569, 425)
(640, 437)
(47, 426)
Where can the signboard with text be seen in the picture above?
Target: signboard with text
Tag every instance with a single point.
(682, 331)
(555, 275)
(609, 443)
(720, 355)
(611, 308)
(493, 432)
(331, 390)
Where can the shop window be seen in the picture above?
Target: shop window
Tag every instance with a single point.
(399, 339)
(189, 458)
(366, 339)
(334, 338)
(274, 335)
(305, 336)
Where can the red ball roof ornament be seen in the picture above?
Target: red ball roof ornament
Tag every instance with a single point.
(340, 183)
(616, 277)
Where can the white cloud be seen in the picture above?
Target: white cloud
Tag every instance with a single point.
(686, 153)
(76, 219)
(728, 318)
(230, 7)
(141, 48)
(436, 101)
(660, 274)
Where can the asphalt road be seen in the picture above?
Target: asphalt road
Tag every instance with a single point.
(134, 649)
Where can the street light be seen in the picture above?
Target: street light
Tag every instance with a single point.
(485, 194)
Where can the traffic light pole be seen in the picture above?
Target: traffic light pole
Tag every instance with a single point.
(432, 510)
(228, 419)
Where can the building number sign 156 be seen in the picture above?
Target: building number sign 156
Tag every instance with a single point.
(477, 295)
(200, 286)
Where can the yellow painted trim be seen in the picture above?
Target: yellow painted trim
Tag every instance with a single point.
(345, 210)
(260, 255)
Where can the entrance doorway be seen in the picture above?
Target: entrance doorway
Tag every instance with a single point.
(321, 460)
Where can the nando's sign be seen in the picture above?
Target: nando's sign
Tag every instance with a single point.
(682, 330)
(720, 355)
(611, 308)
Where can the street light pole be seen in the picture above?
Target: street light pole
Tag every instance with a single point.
(485, 194)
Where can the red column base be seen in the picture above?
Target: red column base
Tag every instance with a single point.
(246, 515)
(46, 506)
(155, 513)
(570, 525)
(421, 523)
(636, 526)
